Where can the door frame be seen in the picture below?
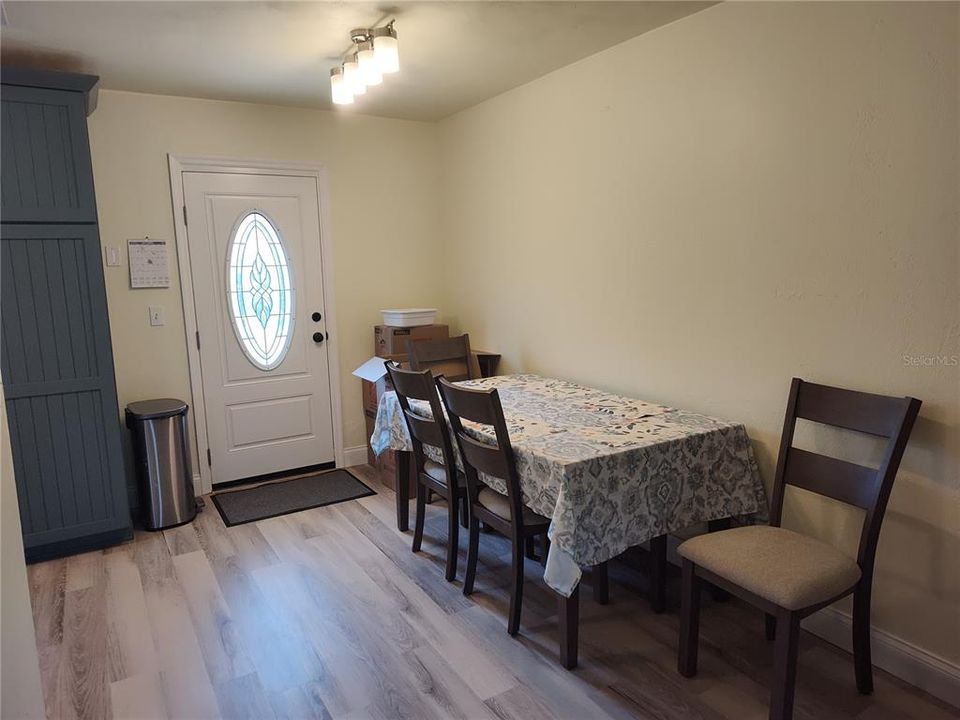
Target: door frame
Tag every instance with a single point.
(180, 164)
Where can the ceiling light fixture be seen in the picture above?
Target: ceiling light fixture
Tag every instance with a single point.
(386, 49)
(369, 71)
(351, 75)
(339, 88)
(373, 54)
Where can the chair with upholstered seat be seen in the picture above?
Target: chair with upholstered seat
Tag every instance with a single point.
(431, 475)
(450, 357)
(505, 513)
(789, 575)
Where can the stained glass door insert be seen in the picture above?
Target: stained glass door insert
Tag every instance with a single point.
(259, 291)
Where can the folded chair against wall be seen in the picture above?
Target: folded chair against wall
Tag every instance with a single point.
(789, 575)
(450, 357)
(431, 476)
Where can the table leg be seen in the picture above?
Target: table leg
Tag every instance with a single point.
(568, 617)
(658, 573)
(530, 548)
(403, 490)
(719, 594)
(601, 583)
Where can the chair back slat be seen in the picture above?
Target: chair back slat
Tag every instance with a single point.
(496, 460)
(863, 412)
(841, 480)
(473, 405)
(427, 431)
(411, 384)
(863, 487)
(433, 431)
(484, 458)
(449, 357)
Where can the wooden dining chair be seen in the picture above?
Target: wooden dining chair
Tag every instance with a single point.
(431, 476)
(504, 513)
(450, 357)
(789, 575)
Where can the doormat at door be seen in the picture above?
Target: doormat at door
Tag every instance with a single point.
(269, 500)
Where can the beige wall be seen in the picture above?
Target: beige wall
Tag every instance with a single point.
(758, 191)
(21, 696)
(382, 177)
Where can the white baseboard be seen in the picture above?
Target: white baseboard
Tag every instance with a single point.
(912, 664)
(355, 456)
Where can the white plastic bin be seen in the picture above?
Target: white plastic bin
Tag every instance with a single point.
(409, 317)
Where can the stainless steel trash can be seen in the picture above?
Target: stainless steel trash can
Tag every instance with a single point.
(162, 451)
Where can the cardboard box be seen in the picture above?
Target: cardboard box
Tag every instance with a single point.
(372, 388)
(389, 340)
(372, 392)
(386, 464)
(370, 422)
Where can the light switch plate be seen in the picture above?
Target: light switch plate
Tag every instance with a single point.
(157, 316)
(112, 253)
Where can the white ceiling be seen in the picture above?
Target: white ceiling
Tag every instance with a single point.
(453, 54)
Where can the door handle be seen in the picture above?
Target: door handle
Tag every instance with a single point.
(318, 337)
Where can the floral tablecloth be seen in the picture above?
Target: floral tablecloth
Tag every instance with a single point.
(611, 471)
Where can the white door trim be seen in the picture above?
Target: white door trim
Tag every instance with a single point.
(200, 163)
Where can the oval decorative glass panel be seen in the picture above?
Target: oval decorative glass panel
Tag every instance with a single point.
(259, 291)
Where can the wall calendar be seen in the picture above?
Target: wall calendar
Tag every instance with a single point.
(148, 263)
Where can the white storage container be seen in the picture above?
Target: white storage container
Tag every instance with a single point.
(409, 317)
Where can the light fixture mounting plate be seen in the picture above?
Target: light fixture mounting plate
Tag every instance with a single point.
(359, 35)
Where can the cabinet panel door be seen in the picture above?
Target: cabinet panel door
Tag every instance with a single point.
(59, 387)
(46, 171)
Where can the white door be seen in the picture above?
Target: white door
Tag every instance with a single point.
(254, 245)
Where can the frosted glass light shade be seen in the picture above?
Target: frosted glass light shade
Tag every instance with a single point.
(386, 51)
(351, 75)
(369, 70)
(339, 89)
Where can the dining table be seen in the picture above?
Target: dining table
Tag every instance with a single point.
(610, 471)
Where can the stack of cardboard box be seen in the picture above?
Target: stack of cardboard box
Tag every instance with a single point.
(390, 343)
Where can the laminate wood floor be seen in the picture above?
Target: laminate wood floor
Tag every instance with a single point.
(327, 614)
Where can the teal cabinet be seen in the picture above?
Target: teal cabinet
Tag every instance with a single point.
(56, 357)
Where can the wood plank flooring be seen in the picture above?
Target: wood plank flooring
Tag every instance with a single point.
(328, 614)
